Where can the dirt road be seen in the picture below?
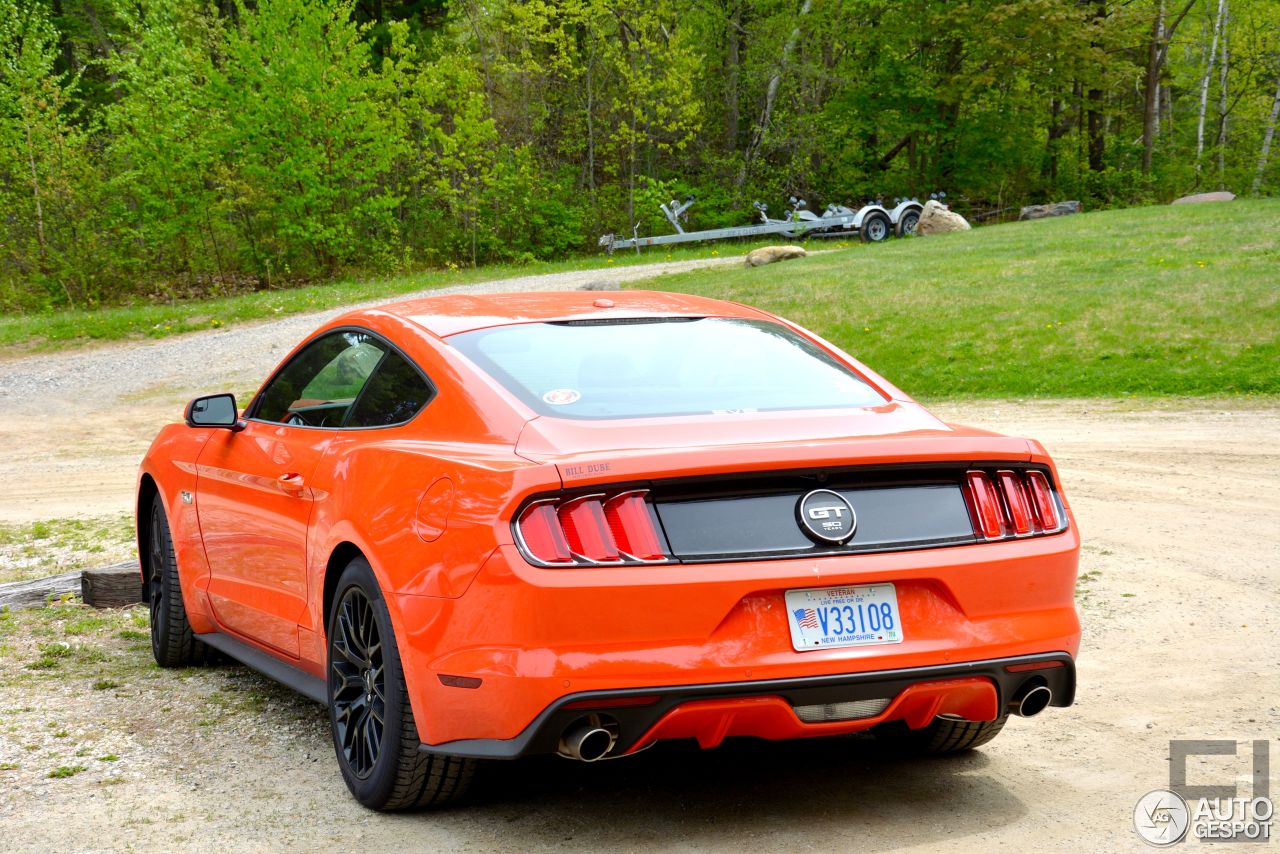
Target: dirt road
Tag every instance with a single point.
(1180, 597)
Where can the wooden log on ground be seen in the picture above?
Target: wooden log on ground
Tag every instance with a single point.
(35, 593)
(115, 586)
(1055, 209)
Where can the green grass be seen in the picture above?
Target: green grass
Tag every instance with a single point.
(58, 330)
(1154, 301)
(36, 549)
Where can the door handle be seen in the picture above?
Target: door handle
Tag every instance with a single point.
(290, 482)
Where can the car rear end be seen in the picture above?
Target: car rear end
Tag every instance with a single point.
(771, 572)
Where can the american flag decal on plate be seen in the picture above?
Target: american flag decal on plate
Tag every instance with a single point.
(806, 618)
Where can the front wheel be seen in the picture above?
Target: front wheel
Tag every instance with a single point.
(374, 733)
(173, 644)
(943, 736)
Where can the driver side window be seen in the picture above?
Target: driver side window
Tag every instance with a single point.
(318, 387)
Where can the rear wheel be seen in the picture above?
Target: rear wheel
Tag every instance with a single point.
(173, 644)
(908, 223)
(374, 733)
(875, 228)
(943, 736)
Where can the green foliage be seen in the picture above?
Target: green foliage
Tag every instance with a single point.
(154, 150)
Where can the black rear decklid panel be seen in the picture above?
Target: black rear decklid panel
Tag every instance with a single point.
(765, 525)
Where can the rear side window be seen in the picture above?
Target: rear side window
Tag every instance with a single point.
(395, 394)
(348, 378)
(317, 388)
(644, 367)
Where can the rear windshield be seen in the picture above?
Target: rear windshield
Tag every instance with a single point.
(636, 368)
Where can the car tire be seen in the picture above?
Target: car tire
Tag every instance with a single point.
(173, 644)
(875, 228)
(941, 737)
(374, 733)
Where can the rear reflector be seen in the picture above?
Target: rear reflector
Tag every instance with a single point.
(614, 702)
(591, 530)
(1032, 665)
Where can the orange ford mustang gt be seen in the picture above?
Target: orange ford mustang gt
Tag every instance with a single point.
(485, 527)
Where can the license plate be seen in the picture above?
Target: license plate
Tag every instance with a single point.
(832, 617)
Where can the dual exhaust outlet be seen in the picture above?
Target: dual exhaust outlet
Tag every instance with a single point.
(592, 738)
(1030, 700)
(589, 739)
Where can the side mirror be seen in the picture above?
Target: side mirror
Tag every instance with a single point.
(214, 410)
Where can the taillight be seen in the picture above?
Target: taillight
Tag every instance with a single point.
(1016, 504)
(591, 530)
(1046, 509)
(542, 535)
(986, 505)
(632, 526)
(586, 530)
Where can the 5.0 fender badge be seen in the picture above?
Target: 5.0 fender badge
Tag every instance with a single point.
(826, 516)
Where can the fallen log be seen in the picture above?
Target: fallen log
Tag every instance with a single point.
(1055, 209)
(115, 586)
(36, 592)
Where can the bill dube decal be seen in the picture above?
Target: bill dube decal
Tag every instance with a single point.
(586, 469)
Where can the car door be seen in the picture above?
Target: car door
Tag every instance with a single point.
(253, 492)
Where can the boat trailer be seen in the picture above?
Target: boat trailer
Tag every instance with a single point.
(872, 223)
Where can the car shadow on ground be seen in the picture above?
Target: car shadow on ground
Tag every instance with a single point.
(677, 793)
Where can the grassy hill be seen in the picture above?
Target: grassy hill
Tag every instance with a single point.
(1154, 301)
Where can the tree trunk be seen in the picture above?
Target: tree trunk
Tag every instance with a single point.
(1151, 91)
(1267, 136)
(1204, 84)
(1157, 50)
(771, 96)
(733, 68)
(1222, 102)
(1094, 118)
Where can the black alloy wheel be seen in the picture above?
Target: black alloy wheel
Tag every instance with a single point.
(358, 683)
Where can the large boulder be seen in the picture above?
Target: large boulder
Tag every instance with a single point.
(769, 254)
(937, 218)
(1204, 197)
(1055, 209)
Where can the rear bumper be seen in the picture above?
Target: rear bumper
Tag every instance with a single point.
(764, 708)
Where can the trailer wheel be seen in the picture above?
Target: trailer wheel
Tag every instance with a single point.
(875, 228)
(907, 224)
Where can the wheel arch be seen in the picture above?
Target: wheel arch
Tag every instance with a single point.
(147, 492)
(341, 555)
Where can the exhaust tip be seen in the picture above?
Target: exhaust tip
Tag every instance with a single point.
(586, 741)
(1032, 702)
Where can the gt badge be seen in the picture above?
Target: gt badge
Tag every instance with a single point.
(186, 497)
(826, 516)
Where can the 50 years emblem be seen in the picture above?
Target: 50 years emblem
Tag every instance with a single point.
(826, 516)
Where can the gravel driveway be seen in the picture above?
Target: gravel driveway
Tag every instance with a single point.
(75, 424)
(1179, 593)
